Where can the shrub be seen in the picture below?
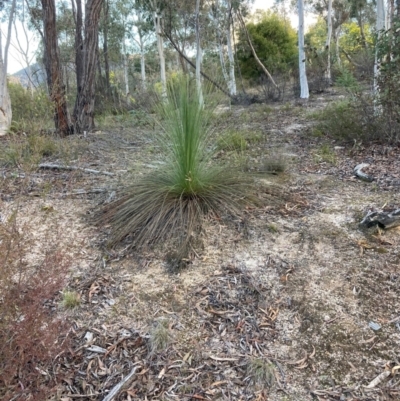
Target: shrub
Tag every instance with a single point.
(349, 120)
(31, 111)
(169, 202)
(275, 43)
(30, 333)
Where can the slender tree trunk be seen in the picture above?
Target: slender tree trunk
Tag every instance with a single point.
(142, 53)
(53, 69)
(84, 106)
(160, 47)
(328, 44)
(232, 77)
(105, 48)
(337, 37)
(5, 101)
(158, 25)
(126, 78)
(142, 66)
(198, 54)
(304, 94)
(222, 62)
(79, 47)
(380, 26)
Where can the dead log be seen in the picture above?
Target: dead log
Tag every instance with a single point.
(381, 219)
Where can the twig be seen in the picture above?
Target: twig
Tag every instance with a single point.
(60, 167)
(89, 191)
(117, 388)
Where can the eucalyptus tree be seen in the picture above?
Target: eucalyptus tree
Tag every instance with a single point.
(380, 27)
(84, 104)
(55, 81)
(5, 101)
(141, 34)
(304, 94)
(157, 8)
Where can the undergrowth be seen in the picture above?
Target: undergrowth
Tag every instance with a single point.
(26, 151)
(31, 334)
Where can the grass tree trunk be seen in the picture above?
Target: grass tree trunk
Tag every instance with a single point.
(198, 54)
(84, 105)
(304, 94)
(53, 69)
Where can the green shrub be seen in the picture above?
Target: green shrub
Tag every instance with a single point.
(347, 80)
(232, 140)
(275, 42)
(169, 202)
(31, 111)
(28, 150)
(349, 120)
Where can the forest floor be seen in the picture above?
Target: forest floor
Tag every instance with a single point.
(292, 303)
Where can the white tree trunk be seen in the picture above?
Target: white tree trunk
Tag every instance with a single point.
(126, 77)
(304, 94)
(160, 48)
(337, 36)
(232, 79)
(142, 53)
(328, 43)
(380, 26)
(198, 54)
(5, 101)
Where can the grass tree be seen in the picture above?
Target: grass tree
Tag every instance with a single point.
(170, 202)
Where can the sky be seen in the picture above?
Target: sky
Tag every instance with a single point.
(16, 63)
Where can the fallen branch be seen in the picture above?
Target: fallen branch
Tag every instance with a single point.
(50, 166)
(117, 388)
(360, 174)
(381, 219)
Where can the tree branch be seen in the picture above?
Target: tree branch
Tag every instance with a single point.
(193, 66)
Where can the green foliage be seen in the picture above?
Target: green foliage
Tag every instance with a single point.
(275, 43)
(235, 140)
(30, 111)
(352, 120)
(22, 150)
(351, 38)
(325, 154)
(347, 80)
(169, 201)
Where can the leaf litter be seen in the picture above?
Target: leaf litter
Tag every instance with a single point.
(259, 313)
